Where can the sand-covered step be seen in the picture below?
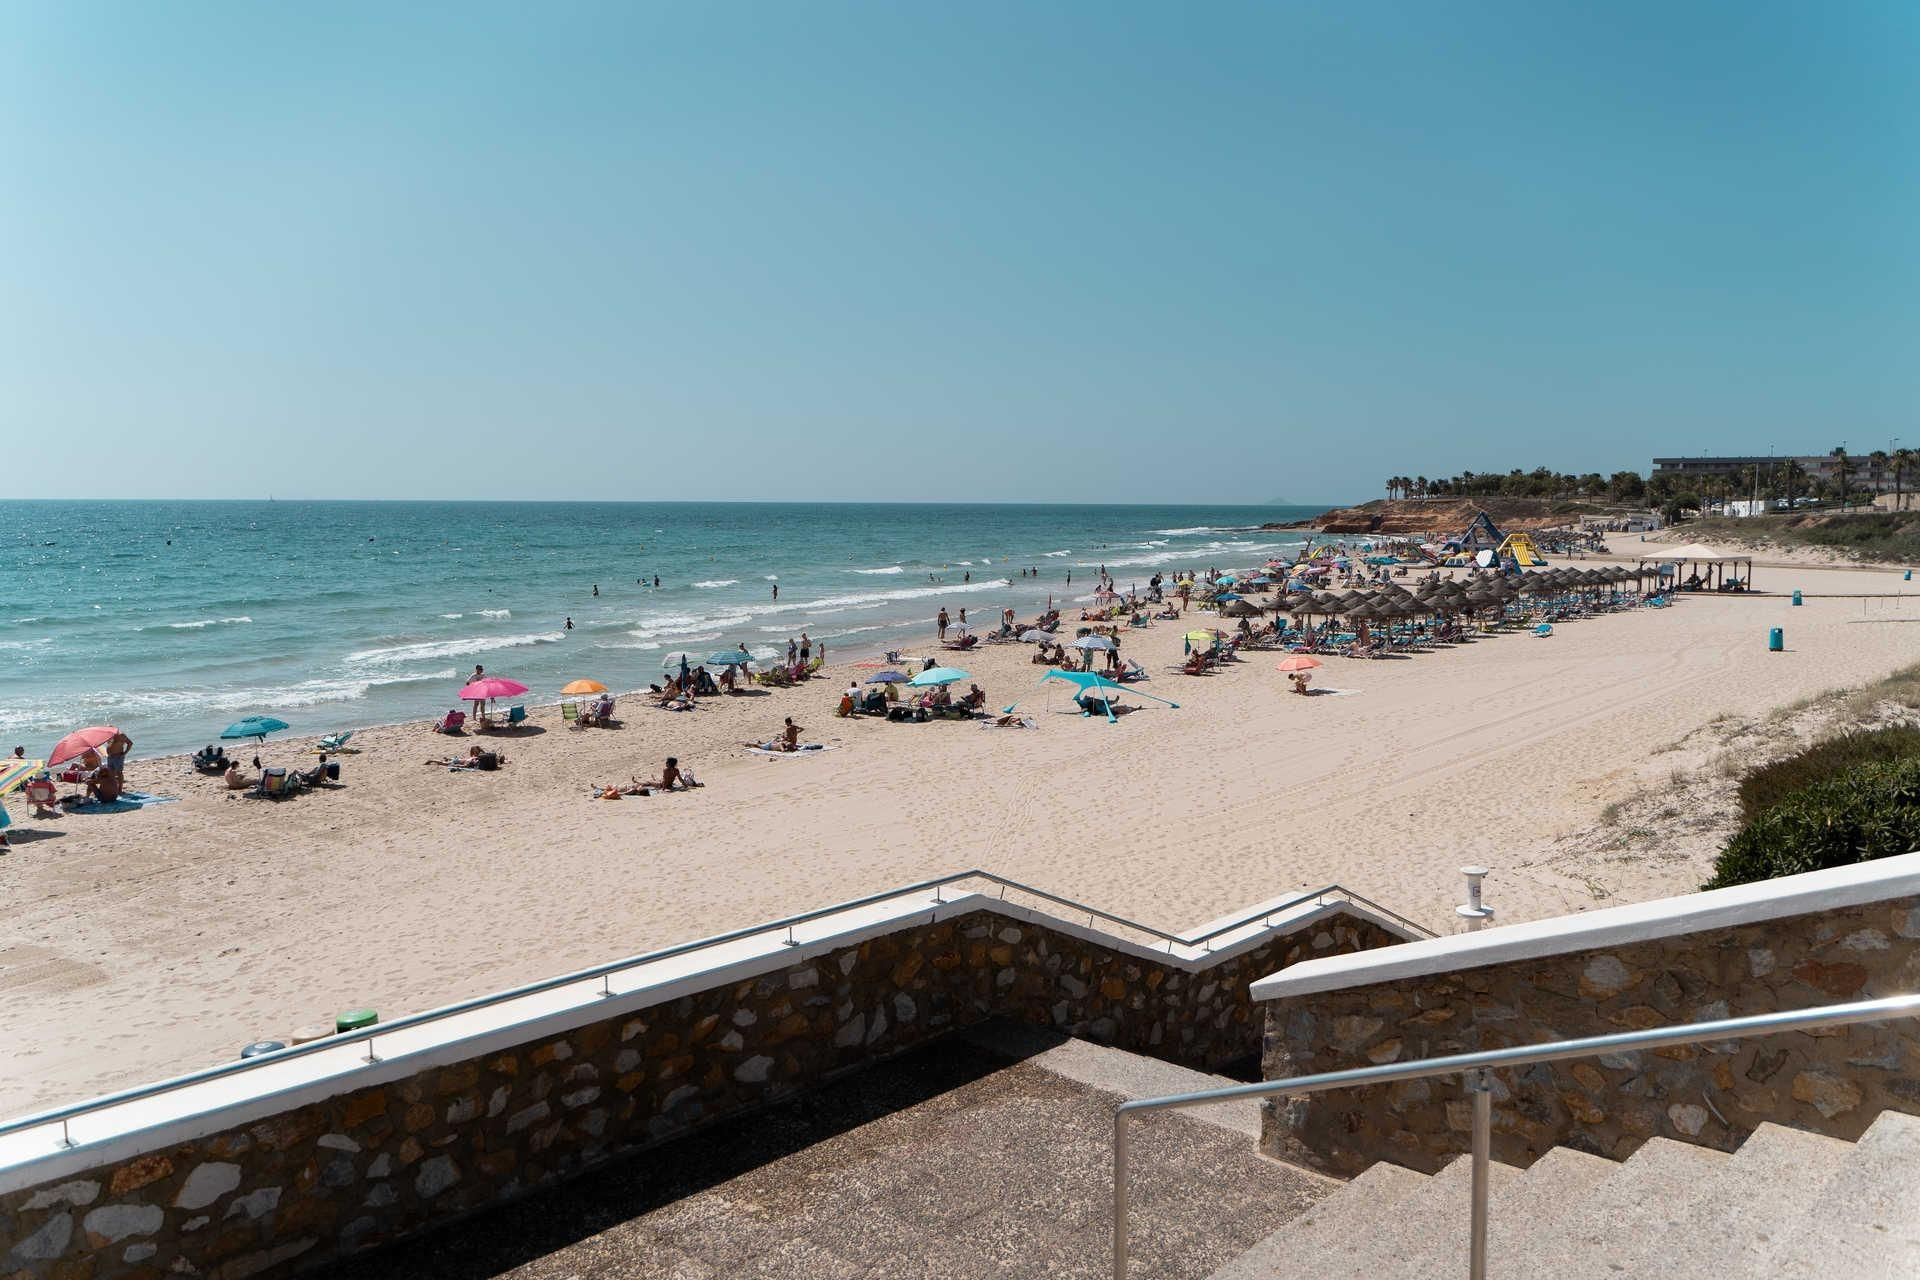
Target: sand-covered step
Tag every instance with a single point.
(1864, 1224)
(1633, 1196)
(1327, 1229)
(1727, 1227)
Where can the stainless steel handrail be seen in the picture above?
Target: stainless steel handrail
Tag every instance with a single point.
(64, 1114)
(1476, 1066)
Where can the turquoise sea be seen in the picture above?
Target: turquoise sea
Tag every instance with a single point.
(172, 619)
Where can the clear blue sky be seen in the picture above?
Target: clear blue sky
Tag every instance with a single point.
(1209, 252)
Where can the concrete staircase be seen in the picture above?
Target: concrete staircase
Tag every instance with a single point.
(1788, 1204)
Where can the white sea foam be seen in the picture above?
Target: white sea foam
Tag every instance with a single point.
(205, 622)
(26, 644)
(889, 569)
(453, 615)
(1053, 554)
(1183, 533)
(496, 613)
(188, 701)
(718, 582)
(394, 654)
(967, 563)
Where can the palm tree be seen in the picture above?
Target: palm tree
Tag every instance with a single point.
(1877, 469)
(1419, 486)
(1839, 455)
(1902, 458)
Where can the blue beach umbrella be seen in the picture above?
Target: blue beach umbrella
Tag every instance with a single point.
(887, 677)
(938, 675)
(253, 727)
(728, 658)
(1086, 680)
(1227, 595)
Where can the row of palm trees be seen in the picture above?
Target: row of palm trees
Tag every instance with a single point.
(1787, 479)
(1621, 486)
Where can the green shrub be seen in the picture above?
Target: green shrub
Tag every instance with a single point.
(1871, 811)
(1768, 785)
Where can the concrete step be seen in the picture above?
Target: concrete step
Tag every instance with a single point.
(1661, 1173)
(1116, 1071)
(1389, 1240)
(1864, 1224)
(1328, 1229)
(1516, 1209)
(1731, 1219)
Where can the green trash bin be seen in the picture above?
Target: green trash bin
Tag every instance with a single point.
(354, 1020)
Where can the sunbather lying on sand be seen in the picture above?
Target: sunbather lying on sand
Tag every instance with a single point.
(476, 758)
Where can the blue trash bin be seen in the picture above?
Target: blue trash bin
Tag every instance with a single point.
(1776, 640)
(1796, 599)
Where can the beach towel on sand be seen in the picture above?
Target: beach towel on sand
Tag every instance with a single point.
(804, 749)
(127, 803)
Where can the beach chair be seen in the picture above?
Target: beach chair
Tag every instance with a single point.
(274, 784)
(516, 716)
(42, 797)
(452, 722)
(333, 741)
(571, 717)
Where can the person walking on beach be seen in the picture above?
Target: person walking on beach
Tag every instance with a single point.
(940, 622)
(793, 651)
(806, 649)
(963, 615)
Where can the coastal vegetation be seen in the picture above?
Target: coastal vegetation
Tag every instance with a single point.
(1885, 536)
(1868, 811)
(1541, 482)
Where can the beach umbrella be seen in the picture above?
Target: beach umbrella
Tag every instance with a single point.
(888, 677)
(584, 686)
(938, 675)
(1241, 609)
(489, 687)
(1034, 635)
(1227, 595)
(1092, 642)
(253, 727)
(81, 741)
(1298, 662)
(728, 658)
(14, 773)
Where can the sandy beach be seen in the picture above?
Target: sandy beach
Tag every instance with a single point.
(145, 943)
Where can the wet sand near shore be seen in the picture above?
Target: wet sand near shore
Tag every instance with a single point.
(145, 943)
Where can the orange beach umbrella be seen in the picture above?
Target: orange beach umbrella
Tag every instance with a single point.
(584, 686)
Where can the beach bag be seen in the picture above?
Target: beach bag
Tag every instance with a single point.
(487, 761)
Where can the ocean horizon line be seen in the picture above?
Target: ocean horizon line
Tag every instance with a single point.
(691, 502)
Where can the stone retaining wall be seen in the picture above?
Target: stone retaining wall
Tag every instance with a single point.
(327, 1179)
(1832, 1081)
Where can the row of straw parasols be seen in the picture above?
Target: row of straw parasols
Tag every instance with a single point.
(1474, 595)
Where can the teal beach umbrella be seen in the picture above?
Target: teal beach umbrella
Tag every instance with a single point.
(253, 727)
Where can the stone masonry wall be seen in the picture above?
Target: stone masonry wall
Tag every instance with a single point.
(314, 1184)
(1832, 1081)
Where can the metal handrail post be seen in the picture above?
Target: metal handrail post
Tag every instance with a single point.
(1119, 1195)
(1480, 1084)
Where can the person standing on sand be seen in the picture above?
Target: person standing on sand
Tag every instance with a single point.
(806, 648)
(117, 748)
(940, 623)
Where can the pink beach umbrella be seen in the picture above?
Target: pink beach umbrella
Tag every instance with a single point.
(492, 687)
(79, 742)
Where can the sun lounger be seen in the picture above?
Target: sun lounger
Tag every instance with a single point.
(452, 722)
(516, 716)
(333, 741)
